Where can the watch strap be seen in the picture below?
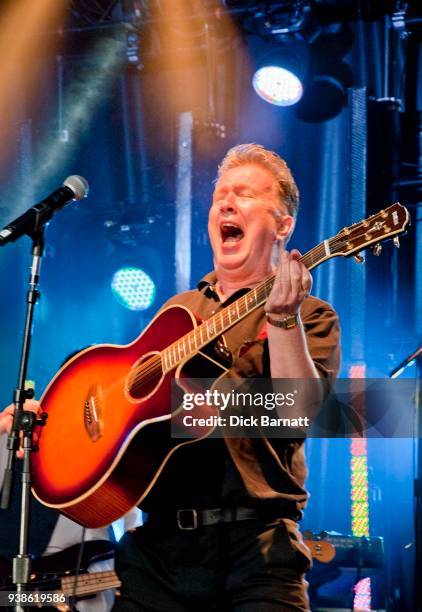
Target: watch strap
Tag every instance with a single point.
(286, 322)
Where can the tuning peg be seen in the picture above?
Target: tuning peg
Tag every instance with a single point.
(377, 248)
(396, 242)
(358, 258)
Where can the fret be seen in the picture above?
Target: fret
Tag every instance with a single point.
(241, 307)
(251, 299)
(344, 244)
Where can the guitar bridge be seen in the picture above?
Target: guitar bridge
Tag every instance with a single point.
(92, 413)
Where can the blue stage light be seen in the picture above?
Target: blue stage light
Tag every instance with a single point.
(133, 288)
(277, 85)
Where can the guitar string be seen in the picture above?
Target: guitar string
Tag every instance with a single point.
(142, 372)
(155, 367)
(146, 372)
(150, 370)
(107, 581)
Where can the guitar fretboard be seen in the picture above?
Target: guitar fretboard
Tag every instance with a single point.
(209, 330)
(371, 231)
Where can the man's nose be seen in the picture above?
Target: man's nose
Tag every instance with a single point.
(228, 204)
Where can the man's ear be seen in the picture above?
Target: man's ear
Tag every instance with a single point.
(285, 227)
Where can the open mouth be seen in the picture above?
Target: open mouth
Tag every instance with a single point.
(231, 233)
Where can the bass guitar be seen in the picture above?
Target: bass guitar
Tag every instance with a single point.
(58, 577)
(107, 436)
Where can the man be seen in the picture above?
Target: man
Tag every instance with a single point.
(221, 531)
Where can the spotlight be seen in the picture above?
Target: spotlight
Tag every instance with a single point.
(325, 97)
(330, 76)
(277, 85)
(278, 75)
(133, 288)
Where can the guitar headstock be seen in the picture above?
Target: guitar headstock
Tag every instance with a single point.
(387, 223)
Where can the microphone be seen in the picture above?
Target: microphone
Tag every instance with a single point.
(75, 187)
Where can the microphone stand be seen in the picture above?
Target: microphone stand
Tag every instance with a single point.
(23, 425)
(416, 357)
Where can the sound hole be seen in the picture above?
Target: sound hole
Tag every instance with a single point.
(145, 376)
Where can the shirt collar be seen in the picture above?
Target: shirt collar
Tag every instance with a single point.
(208, 282)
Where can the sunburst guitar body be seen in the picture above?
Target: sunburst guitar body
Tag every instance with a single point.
(107, 434)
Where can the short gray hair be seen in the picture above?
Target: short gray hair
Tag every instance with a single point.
(252, 153)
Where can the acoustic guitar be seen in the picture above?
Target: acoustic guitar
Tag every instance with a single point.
(107, 436)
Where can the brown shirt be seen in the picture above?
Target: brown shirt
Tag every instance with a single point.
(244, 471)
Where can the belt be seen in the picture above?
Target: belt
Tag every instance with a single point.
(188, 519)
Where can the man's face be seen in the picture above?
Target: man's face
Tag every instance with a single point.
(245, 219)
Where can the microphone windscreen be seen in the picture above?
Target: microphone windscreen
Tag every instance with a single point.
(78, 185)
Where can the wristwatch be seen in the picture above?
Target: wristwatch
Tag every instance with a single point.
(285, 323)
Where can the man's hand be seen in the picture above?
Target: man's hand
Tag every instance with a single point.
(292, 285)
(6, 418)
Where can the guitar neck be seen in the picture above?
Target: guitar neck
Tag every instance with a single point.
(89, 584)
(385, 224)
(212, 328)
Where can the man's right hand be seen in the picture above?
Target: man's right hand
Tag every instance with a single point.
(6, 418)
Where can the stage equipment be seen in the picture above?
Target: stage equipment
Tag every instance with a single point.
(338, 553)
(278, 77)
(74, 188)
(329, 76)
(32, 223)
(347, 550)
(64, 575)
(133, 288)
(416, 357)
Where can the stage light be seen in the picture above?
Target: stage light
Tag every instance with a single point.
(325, 97)
(329, 77)
(133, 288)
(278, 74)
(277, 85)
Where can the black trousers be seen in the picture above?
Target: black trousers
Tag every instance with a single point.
(244, 566)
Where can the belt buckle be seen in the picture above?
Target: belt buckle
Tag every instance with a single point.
(192, 516)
